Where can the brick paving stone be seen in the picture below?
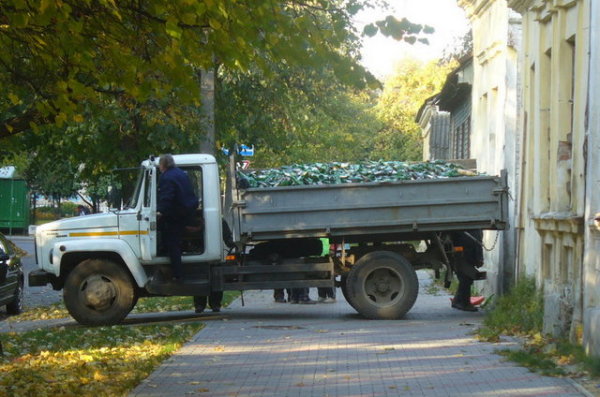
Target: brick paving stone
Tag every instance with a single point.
(269, 349)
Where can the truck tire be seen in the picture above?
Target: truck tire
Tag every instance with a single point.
(99, 292)
(382, 285)
(344, 288)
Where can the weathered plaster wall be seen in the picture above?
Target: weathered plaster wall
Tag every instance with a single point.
(495, 136)
(554, 74)
(591, 320)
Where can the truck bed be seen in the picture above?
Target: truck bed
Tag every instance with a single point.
(367, 209)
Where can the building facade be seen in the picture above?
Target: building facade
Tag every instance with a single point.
(556, 240)
(445, 118)
(495, 133)
(591, 249)
(551, 146)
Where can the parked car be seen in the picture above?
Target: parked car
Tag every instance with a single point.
(11, 277)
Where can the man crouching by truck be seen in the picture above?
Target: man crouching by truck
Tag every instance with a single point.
(472, 258)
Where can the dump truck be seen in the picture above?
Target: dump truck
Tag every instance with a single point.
(387, 231)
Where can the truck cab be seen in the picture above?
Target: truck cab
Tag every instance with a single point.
(104, 262)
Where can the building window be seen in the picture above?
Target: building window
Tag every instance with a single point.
(545, 169)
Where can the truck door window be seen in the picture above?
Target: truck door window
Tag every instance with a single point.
(195, 175)
(193, 241)
(147, 188)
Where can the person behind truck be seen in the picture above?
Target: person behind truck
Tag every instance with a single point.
(470, 240)
(326, 294)
(279, 295)
(301, 296)
(214, 301)
(82, 210)
(176, 205)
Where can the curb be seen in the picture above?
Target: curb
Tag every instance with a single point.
(580, 388)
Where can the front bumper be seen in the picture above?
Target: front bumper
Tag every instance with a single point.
(40, 278)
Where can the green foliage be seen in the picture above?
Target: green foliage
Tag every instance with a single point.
(294, 115)
(51, 175)
(399, 29)
(534, 361)
(101, 85)
(59, 58)
(519, 312)
(176, 303)
(67, 209)
(403, 95)
(554, 357)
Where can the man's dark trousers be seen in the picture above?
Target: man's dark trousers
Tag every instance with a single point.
(463, 292)
(172, 235)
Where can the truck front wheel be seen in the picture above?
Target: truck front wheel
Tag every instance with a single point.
(382, 285)
(99, 292)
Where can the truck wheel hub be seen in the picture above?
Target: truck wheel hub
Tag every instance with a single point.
(98, 292)
(382, 286)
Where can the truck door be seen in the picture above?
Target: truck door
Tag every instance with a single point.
(147, 216)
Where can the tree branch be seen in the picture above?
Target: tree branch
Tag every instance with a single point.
(23, 122)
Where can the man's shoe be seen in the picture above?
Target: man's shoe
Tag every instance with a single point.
(293, 301)
(464, 307)
(199, 310)
(307, 302)
(279, 300)
(216, 309)
(329, 300)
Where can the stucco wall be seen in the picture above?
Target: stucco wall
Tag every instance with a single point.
(591, 319)
(495, 133)
(555, 78)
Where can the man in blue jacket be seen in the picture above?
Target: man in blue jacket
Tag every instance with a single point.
(176, 205)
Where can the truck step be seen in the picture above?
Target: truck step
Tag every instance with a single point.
(186, 288)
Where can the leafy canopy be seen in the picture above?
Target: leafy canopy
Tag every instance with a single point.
(59, 56)
(301, 115)
(403, 94)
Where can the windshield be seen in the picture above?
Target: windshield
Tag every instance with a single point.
(133, 200)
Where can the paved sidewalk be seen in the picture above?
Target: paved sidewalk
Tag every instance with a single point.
(269, 349)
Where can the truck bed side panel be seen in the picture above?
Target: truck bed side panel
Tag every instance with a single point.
(372, 208)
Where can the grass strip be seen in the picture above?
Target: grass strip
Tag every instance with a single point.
(520, 313)
(75, 361)
(154, 304)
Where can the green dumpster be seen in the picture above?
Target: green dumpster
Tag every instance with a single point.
(14, 203)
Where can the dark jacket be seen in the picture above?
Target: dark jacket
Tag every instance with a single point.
(176, 196)
(473, 250)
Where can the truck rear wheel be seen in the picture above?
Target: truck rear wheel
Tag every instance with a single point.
(344, 288)
(382, 285)
(99, 292)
